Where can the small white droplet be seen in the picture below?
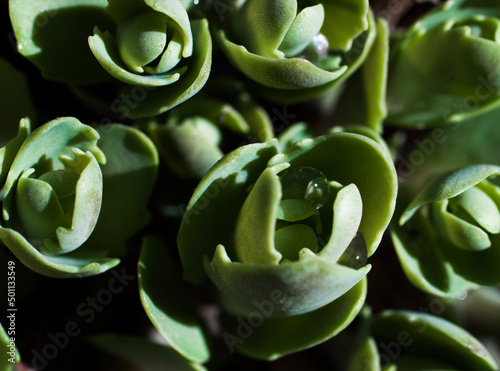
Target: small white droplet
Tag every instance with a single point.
(320, 43)
(196, 2)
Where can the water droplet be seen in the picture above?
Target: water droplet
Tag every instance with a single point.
(305, 183)
(320, 43)
(20, 46)
(356, 254)
(196, 2)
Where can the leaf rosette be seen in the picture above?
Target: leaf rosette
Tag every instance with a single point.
(193, 136)
(158, 47)
(441, 69)
(149, 51)
(405, 340)
(285, 236)
(53, 187)
(296, 50)
(447, 239)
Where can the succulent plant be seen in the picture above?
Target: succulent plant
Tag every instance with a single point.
(53, 195)
(297, 50)
(150, 53)
(406, 340)
(294, 245)
(447, 238)
(440, 68)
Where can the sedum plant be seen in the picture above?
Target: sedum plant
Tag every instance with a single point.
(447, 237)
(56, 182)
(440, 70)
(151, 53)
(295, 50)
(418, 341)
(292, 251)
(191, 138)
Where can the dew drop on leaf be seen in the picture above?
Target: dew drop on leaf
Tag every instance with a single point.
(305, 183)
(356, 254)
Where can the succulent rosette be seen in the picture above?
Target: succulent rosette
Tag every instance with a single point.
(405, 340)
(297, 50)
(190, 139)
(284, 237)
(441, 69)
(447, 238)
(61, 199)
(154, 55)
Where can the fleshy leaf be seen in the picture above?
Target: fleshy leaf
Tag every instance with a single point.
(291, 239)
(53, 36)
(351, 18)
(9, 152)
(461, 233)
(299, 287)
(305, 26)
(254, 230)
(435, 339)
(347, 214)
(375, 179)
(162, 98)
(219, 196)
(424, 260)
(128, 179)
(167, 305)
(275, 337)
(363, 101)
(278, 73)
(449, 185)
(62, 266)
(52, 143)
(431, 91)
(144, 353)
(268, 21)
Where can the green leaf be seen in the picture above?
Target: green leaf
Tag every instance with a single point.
(62, 266)
(351, 19)
(9, 152)
(53, 34)
(53, 143)
(261, 25)
(366, 357)
(275, 72)
(105, 49)
(129, 176)
(435, 339)
(347, 215)
(367, 87)
(290, 240)
(254, 229)
(190, 148)
(143, 353)
(163, 295)
(461, 233)
(219, 196)
(305, 26)
(431, 91)
(448, 186)
(295, 288)
(162, 98)
(423, 256)
(271, 338)
(342, 157)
